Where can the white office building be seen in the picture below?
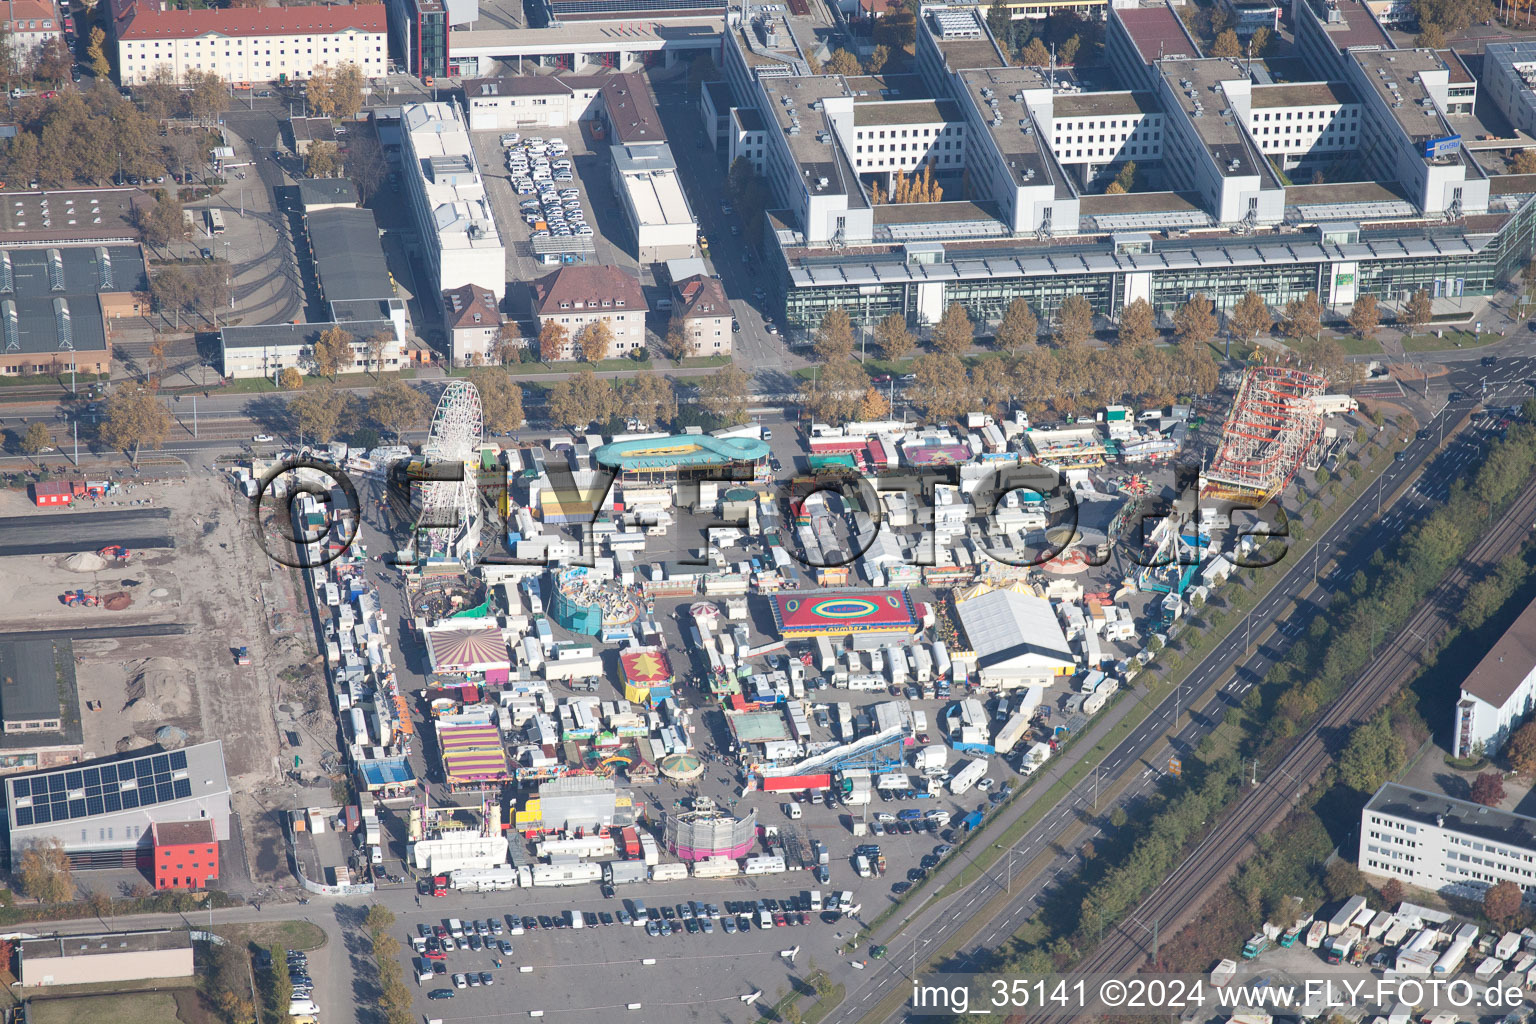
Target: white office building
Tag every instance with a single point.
(448, 200)
(1499, 693)
(1452, 847)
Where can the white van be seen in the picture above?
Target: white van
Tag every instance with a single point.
(455, 928)
(792, 811)
(575, 919)
(301, 1006)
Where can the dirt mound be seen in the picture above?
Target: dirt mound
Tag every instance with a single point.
(85, 561)
(157, 688)
(116, 601)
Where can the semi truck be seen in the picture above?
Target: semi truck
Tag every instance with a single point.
(967, 776)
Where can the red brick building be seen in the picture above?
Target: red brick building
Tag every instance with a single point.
(186, 854)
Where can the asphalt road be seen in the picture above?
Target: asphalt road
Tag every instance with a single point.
(85, 531)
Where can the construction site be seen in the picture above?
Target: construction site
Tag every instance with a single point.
(155, 580)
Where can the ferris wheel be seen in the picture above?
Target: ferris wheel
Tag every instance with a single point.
(458, 426)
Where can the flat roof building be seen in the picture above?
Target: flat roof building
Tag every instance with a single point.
(102, 811)
(56, 303)
(39, 705)
(1448, 846)
(1016, 638)
(105, 958)
(447, 197)
(645, 179)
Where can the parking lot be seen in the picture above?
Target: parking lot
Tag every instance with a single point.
(594, 193)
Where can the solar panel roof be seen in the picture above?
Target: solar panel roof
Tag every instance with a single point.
(71, 793)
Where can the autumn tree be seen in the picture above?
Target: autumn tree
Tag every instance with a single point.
(992, 384)
(367, 166)
(1393, 892)
(171, 291)
(834, 337)
(1250, 316)
(508, 343)
(1365, 317)
(1502, 903)
(316, 411)
(317, 92)
(1126, 179)
(207, 96)
(1520, 752)
(290, 379)
(725, 394)
(1074, 322)
(553, 339)
(322, 160)
(595, 341)
(843, 62)
(96, 53)
(501, 401)
(374, 347)
(1019, 327)
(1138, 325)
(1488, 789)
(163, 222)
(1035, 55)
(1431, 36)
(954, 334)
(36, 440)
(878, 58)
(835, 392)
(649, 399)
(1227, 45)
(1417, 311)
(1195, 321)
(580, 400)
(1523, 162)
(1067, 53)
(942, 388)
(333, 350)
(347, 85)
(396, 406)
(1260, 43)
(894, 338)
(676, 345)
(45, 873)
(1303, 317)
(134, 419)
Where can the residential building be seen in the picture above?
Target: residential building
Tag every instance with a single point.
(186, 854)
(57, 303)
(576, 296)
(701, 304)
(1448, 846)
(104, 958)
(102, 811)
(446, 194)
(248, 44)
(473, 322)
(29, 24)
(306, 131)
(1499, 693)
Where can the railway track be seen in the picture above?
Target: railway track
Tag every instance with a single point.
(1214, 860)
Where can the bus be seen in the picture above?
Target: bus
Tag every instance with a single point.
(215, 222)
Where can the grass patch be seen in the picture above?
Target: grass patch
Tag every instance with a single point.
(1452, 339)
(818, 1012)
(261, 385)
(289, 934)
(139, 1008)
(45, 379)
(1354, 345)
